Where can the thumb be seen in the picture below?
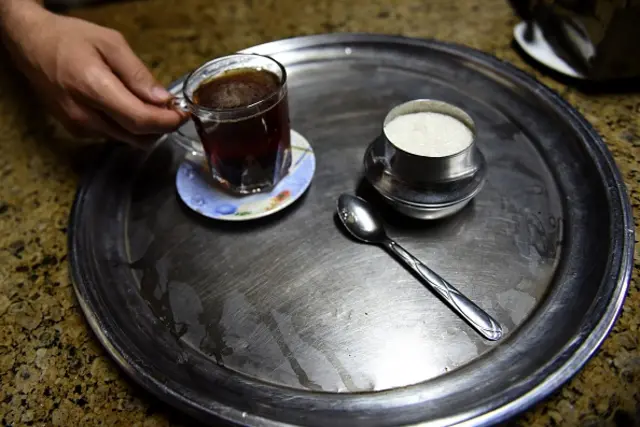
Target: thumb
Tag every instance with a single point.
(132, 71)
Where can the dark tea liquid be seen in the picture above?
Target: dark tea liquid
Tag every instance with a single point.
(254, 150)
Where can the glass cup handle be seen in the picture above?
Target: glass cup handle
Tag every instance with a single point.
(178, 103)
(189, 142)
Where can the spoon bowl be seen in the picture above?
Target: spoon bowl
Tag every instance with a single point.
(360, 220)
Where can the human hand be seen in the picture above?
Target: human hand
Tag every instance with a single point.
(87, 75)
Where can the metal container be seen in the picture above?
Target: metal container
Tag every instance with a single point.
(424, 170)
(425, 187)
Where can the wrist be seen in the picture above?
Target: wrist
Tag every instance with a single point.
(17, 16)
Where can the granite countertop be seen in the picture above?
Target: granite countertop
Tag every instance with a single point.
(53, 370)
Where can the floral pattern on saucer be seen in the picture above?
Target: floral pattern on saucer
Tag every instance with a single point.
(195, 191)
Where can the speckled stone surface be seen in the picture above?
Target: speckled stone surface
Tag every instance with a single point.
(52, 369)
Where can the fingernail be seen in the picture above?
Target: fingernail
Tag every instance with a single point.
(160, 93)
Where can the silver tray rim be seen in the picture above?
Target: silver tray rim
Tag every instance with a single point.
(566, 365)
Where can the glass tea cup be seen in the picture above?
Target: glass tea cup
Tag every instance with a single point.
(239, 106)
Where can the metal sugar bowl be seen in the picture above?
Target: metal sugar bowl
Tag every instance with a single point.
(425, 186)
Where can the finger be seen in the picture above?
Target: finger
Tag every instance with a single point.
(108, 128)
(83, 121)
(73, 118)
(105, 92)
(118, 55)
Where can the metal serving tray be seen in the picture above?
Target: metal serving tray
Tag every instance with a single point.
(285, 320)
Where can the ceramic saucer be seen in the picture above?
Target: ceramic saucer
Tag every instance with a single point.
(540, 50)
(197, 193)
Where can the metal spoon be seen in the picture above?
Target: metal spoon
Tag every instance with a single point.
(364, 224)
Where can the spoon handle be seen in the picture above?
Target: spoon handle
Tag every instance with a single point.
(478, 318)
